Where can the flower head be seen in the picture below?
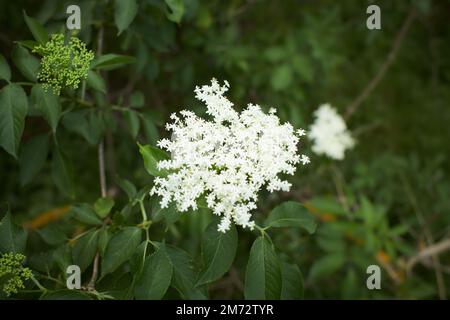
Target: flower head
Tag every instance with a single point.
(11, 269)
(329, 133)
(226, 160)
(63, 64)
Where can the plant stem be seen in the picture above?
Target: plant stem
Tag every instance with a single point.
(38, 284)
(25, 83)
(101, 165)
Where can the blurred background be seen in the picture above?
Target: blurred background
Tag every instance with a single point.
(387, 203)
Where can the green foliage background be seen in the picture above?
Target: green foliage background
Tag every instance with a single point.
(382, 205)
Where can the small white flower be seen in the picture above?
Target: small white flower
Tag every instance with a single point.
(304, 159)
(329, 133)
(226, 160)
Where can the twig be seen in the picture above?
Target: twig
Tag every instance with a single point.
(91, 284)
(101, 168)
(386, 65)
(429, 239)
(432, 250)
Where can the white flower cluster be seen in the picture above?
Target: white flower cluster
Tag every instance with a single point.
(329, 133)
(227, 160)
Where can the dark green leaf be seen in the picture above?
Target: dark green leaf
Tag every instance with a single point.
(52, 235)
(263, 273)
(5, 71)
(32, 158)
(291, 214)
(151, 157)
(103, 240)
(29, 44)
(66, 294)
(95, 81)
(219, 250)
(124, 13)
(12, 237)
(120, 248)
(111, 61)
(84, 213)
(27, 64)
(13, 110)
(155, 277)
(175, 11)
(103, 206)
(128, 187)
(132, 120)
(137, 99)
(150, 129)
(183, 273)
(62, 173)
(48, 104)
(37, 30)
(63, 258)
(327, 265)
(326, 205)
(292, 287)
(85, 249)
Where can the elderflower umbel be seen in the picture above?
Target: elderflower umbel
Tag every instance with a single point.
(329, 133)
(227, 159)
(12, 271)
(63, 65)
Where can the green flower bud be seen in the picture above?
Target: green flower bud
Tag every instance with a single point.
(63, 64)
(12, 273)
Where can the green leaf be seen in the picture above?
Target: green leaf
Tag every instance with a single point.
(292, 287)
(95, 81)
(150, 129)
(176, 10)
(155, 278)
(128, 187)
(62, 173)
(291, 214)
(138, 259)
(63, 257)
(171, 214)
(84, 213)
(327, 265)
(47, 103)
(13, 110)
(52, 234)
(124, 13)
(263, 273)
(324, 205)
(183, 279)
(282, 77)
(32, 158)
(137, 99)
(29, 44)
(66, 294)
(37, 30)
(85, 123)
(111, 61)
(120, 248)
(151, 157)
(27, 64)
(103, 240)
(85, 248)
(12, 237)
(5, 71)
(219, 250)
(103, 206)
(132, 120)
